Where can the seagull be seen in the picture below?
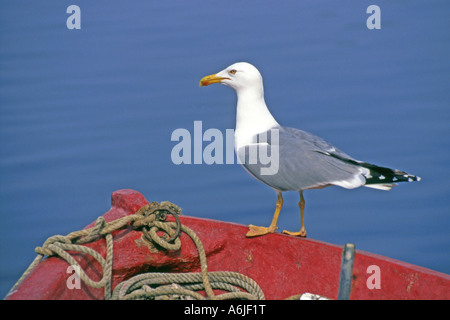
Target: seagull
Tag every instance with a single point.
(305, 161)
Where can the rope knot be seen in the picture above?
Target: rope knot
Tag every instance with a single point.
(153, 219)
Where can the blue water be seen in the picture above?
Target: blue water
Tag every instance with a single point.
(86, 112)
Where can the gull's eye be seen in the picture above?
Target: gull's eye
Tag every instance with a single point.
(232, 71)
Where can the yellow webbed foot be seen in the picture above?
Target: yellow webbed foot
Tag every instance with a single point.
(301, 233)
(255, 231)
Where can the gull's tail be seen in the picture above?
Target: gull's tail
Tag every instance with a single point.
(380, 177)
(385, 178)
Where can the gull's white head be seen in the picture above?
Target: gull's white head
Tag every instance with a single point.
(239, 76)
(252, 114)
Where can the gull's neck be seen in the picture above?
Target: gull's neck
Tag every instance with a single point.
(252, 115)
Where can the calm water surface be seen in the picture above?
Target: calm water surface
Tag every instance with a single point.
(86, 112)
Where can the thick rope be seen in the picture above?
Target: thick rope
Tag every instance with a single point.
(59, 245)
(150, 219)
(140, 286)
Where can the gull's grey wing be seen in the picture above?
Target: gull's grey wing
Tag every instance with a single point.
(305, 163)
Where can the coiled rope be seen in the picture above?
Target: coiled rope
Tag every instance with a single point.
(149, 219)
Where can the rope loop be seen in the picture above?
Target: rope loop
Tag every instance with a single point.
(46, 249)
(95, 232)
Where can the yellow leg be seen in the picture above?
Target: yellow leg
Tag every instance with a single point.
(302, 232)
(259, 231)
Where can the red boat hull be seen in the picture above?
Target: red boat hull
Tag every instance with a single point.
(281, 265)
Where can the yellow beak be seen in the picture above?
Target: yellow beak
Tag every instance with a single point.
(206, 81)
